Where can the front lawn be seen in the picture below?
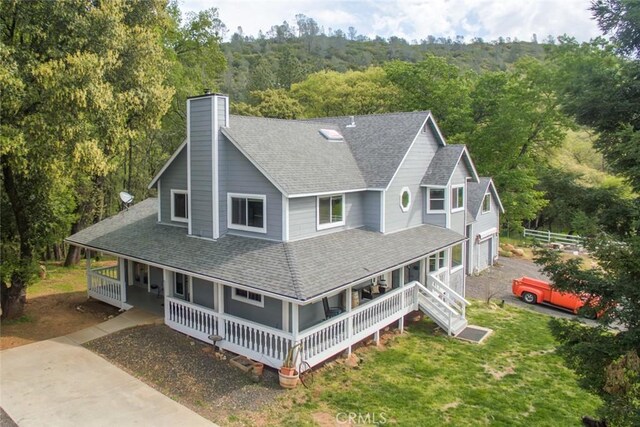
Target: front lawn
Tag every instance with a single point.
(424, 378)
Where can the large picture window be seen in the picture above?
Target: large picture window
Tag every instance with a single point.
(437, 261)
(457, 198)
(179, 206)
(435, 200)
(330, 211)
(247, 212)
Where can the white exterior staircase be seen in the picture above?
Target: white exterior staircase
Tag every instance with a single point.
(443, 305)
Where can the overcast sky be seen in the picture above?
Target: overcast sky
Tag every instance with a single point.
(414, 20)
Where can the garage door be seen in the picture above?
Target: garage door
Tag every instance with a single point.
(484, 254)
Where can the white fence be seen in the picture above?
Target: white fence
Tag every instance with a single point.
(548, 236)
(320, 342)
(104, 284)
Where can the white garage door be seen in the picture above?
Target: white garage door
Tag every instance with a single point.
(484, 254)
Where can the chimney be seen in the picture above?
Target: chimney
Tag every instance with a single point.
(206, 114)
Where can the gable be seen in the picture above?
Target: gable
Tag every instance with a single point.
(167, 164)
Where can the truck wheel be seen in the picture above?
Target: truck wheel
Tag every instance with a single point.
(529, 298)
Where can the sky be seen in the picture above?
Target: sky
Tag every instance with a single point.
(414, 20)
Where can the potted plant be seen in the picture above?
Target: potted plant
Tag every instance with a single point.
(288, 374)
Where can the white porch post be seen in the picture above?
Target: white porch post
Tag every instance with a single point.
(220, 298)
(285, 316)
(130, 275)
(88, 254)
(123, 284)
(348, 301)
(402, 301)
(166, 284)
(295, 325)
(423, 271)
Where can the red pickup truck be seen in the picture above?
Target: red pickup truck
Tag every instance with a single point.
(534, 291)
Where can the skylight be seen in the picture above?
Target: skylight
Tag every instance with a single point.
(331, 135)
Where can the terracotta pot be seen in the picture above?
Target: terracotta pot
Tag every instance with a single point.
(287, 371)
(288, 381)
(258, 368)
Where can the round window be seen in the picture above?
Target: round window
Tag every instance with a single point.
(405, 199)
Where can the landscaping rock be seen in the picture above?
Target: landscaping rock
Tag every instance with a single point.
(517, 252)
(352, 361)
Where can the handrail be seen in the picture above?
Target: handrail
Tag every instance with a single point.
(453, 293)
(435, 296)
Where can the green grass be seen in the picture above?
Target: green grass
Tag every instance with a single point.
(64, 279)
(425, 378)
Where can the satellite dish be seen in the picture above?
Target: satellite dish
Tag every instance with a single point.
(126, 198)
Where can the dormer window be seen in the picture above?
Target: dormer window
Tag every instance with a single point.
(179, 206)
(330, 211)
(435, 200)
(486, 203)
(247, 212)
(457, 198)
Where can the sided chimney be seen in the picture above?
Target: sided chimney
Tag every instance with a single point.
(206, 114)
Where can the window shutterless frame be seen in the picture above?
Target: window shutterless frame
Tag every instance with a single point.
(486, 203)
(457, 198)
(177, 211)
(436, 196)
(330, 211)
(405, 199)
(248, 297)
(243, 210)
(457, 260)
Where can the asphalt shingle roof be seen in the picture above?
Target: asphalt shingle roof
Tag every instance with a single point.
(295, 155)
(379, 142)
(442, 165)
(300, 270)
(475, 194)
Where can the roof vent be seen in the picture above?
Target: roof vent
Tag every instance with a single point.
(353, 122)
(332, 135)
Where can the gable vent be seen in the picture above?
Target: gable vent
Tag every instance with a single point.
(332, 135)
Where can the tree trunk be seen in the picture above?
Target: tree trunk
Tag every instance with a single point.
(73, 255)
(13, 299)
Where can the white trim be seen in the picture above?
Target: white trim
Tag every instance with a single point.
(215, 209)
(487, 234)
(444, 200)
(188, 163)
(285, 316)
(226, 110)
(159, 202)
(464, 195)
(382, 211)
(474, 173)
(232, 226)
(328, 193)
(246, 299)
(482, 211)
(402, 191)
(330, 224)
(173, 206)
(415, 138)
(285, 218)
(167, 163)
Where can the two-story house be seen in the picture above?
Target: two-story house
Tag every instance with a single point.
(269, 233)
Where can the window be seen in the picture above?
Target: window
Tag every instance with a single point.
(246, 212)
(180, 284)
(248, 297)
(486, 203)
(179, 206)
(437, 261)
(435, 202)
(457, 198)
(405, 199)
(330, 211)
(456, 257)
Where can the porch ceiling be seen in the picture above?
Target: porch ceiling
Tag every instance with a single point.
(300, 270)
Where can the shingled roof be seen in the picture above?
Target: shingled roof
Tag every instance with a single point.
(476, 192)
(442, 165)
(298, 270)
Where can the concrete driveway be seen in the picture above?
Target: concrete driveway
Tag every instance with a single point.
(59, 383)
(497, 281)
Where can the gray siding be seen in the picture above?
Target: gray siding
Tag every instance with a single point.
(201, 145)
(174, 177)
(222, 112)
(438, 219)
(371, 202)
(270, 314)
(458, 219)
(303, 215)
(312, 314)
(409, 175)
(202, 292)
(238, 175)
(481, 251)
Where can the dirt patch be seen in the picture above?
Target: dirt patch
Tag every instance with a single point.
(186, 370)
(53, 315)
(499, 374)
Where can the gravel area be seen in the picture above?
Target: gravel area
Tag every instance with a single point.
(187, 371)
(497, 281)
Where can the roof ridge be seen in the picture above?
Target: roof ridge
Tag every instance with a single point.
(368, 115)
(295, 275)
(275, 119)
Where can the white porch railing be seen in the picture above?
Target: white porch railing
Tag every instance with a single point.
(320, 342)
(444, 305)
(104, 284)
(256, 341)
